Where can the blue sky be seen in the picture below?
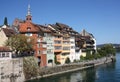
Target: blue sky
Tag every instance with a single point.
(99, 17)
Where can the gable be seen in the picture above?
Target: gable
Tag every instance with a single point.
(28, 27)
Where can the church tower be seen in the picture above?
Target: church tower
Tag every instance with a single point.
(28, 16)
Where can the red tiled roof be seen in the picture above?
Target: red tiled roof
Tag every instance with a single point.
(24, 26)
(4, 49)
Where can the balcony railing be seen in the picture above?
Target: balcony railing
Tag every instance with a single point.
(58, 39)
(44, 45)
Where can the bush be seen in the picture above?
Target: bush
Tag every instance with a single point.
(67, 60)
(82, 58)
(30, 67)
(58, 63)
(107, 50)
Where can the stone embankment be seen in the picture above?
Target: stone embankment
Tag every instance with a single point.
(60, 69)
(11, 70)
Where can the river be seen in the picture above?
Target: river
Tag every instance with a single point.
(104, 73)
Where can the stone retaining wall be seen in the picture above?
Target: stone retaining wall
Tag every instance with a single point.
(11, 70)
(50, 71)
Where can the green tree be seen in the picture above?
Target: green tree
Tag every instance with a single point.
(5, 21)
(67, 60)
(30, 67)
(20, 44)
(107, 50)
(55, 59)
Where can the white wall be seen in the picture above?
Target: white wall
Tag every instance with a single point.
(3, 37)
(7, 55)
(72, 49)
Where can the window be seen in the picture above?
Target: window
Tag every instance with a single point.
(50, 61)
(72, 47)
(28, 34)
(38, 45)
(39, 35)
(45, 34)
(3, 54)
(58, 47)
(72, 42)
(50, 51)
(0, 55)
(66, 48)
(39, 52)
(57, 42)
(7, 54)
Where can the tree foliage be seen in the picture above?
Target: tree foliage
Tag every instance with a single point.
(55, 59)
(20, 43)
(67, 60)
(5, 21)
(30, 67)
(107, 50)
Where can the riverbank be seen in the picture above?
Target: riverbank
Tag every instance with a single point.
(60, 69)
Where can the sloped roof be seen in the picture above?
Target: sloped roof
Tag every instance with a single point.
(24, 27)
(62, 25)
(8, 32)
(4, 49)
(44, 28)
(85, 33)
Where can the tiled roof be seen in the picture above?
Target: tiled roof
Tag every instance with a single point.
(6, 49)
(62, 25)
(44, 28)
(24, 27)
(9, 32)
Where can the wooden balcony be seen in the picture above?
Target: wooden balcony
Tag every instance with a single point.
(58, 39)
(58, 49)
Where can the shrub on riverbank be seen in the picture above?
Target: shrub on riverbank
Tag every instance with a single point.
(105, 51)
(67, 61)
(30, 67)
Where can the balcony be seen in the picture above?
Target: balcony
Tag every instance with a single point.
(49, 52)
(66, 49)
(57, 44)
(59, 39)
(39, 40)
(58, 49)
(66, 39)
(44, 46)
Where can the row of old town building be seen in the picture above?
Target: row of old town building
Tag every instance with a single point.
(52, 40)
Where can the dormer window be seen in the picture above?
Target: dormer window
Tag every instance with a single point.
(28, 28)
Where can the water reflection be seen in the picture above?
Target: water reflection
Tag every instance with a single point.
(79, 76)
(108, 72)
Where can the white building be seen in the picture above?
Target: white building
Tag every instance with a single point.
(5, 53)
(72, 55)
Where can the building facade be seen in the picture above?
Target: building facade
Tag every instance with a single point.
(55, 41)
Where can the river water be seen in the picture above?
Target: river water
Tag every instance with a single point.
(104, 73)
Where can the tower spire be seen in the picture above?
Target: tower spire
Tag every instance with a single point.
(29, 16)
(29, 12)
